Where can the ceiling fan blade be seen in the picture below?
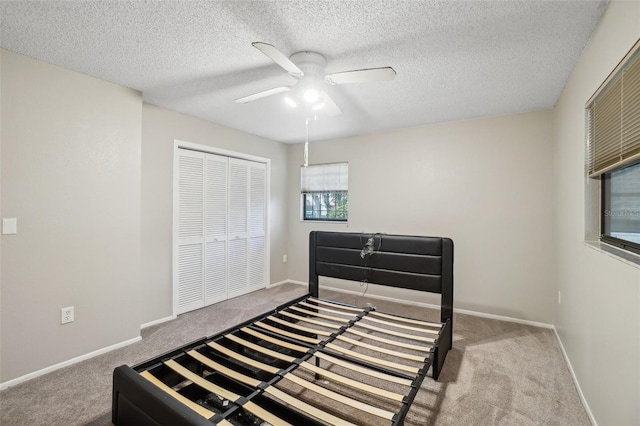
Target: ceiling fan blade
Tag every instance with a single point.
(330, 108)
(361, 76)
(279, 58)
(263, 94)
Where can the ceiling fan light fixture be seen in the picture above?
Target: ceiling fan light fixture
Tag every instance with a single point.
(289, 100)
(311, 95)
(309, 69)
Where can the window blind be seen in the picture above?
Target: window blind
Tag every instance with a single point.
(613, 118)
(324, 178)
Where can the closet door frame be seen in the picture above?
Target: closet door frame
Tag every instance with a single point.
(178, 144)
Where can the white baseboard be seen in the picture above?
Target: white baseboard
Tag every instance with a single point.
(585, 404)
(158, 321)
(67, 363)
(431, 306)
(297, 282)
(172, 317)
(375, 296)
(503, 318)
(278, 283)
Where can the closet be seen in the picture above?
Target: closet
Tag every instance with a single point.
(219, 230)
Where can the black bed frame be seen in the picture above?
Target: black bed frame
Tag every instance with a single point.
(411, 262)
(417, 263)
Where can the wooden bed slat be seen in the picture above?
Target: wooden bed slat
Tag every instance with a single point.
(186, 401)
(407, 320)
(340, 398)
(242, 358)
(363, 370)
(273, 340)
(298, 326)
(224, 370)
(203, 383)
(382, 350)
(309, 305)
(353, 383)
(404, 327)
(300, 405)
(373, 360)
(319, 315)
(310, 321)
(394, 333)
(306, 408)
(337, 305)
(251, 407)
(287, 333)
(265, 415)
(261, 349)
(389, 341)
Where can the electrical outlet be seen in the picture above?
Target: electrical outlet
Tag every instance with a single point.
(66, 315)
(284, 258)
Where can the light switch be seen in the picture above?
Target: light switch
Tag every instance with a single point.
(9, 226)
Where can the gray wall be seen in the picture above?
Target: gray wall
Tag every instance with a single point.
(599, 318)
(160, 127)
(485, 183)
(71, 176)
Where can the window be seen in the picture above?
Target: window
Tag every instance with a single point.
(324, 190)
(621, 208)
(613, 151)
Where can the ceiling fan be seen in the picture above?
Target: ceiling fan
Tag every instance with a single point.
(308, 68)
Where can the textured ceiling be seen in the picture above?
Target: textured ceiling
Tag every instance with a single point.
(454, 59)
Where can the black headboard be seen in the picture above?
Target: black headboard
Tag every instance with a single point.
(412, 262)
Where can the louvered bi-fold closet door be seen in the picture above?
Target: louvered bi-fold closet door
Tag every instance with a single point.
(257, 226)
(216, 206)
(238, 227)
(221, 229)
(189, 293)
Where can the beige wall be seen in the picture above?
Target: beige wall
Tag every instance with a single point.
(160, 127)
(599, 318)
(71, 176)
(0, 213)
(485, 183)
(87, 170)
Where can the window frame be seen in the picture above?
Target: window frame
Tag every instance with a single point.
(626, 245)
(329, 181)
(304, 217)
(618, 128)
(612, 136)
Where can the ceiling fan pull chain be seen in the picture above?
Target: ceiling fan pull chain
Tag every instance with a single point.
(306, 142)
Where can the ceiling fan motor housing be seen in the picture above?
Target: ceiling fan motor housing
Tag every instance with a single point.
(311, 63)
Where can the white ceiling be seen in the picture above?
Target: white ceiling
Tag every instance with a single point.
(454, 60)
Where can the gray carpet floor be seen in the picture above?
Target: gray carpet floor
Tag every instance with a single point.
(498, 373)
